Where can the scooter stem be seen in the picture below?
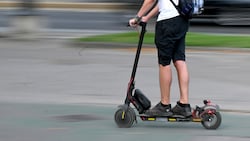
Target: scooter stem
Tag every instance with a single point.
(138, 52)
(137, 56)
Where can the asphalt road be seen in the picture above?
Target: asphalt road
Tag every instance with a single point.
(103, 21)
(50, 122)
(55, 91)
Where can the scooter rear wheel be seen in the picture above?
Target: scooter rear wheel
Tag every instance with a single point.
(211, 121)
(125, 117)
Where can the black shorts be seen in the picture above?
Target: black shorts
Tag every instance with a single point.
(170, 40)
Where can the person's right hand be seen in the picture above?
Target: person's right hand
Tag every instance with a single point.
(133, 22)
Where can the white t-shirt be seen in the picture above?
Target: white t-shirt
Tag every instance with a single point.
(167, 9)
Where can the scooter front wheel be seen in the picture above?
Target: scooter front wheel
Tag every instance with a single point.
(211, 120)
(125, 117)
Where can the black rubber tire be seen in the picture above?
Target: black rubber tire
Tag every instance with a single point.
(125, 117)
(211, 121)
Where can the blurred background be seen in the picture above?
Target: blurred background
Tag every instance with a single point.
(76, 17)
(49, 78)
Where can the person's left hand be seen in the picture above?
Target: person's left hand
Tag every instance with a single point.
(144, 19)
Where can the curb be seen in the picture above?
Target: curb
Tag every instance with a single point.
(70, 5)
(148, 46)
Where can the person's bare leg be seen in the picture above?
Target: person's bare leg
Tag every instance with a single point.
(165, 78)
(183, 79)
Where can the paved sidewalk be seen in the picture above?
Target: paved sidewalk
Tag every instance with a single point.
(41, 70)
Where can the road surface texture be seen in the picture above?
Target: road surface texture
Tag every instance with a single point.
(53, 90)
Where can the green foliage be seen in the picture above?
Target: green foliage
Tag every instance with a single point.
(217, 40)
(192, 39)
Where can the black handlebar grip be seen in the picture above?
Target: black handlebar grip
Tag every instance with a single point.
(140, 24)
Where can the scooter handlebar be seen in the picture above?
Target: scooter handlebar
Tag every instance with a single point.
(142, 24)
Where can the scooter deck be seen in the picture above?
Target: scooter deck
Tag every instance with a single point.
(174, 118)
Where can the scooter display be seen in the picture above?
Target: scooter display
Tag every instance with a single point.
(125, 116)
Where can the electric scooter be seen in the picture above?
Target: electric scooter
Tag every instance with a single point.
(208, 115)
